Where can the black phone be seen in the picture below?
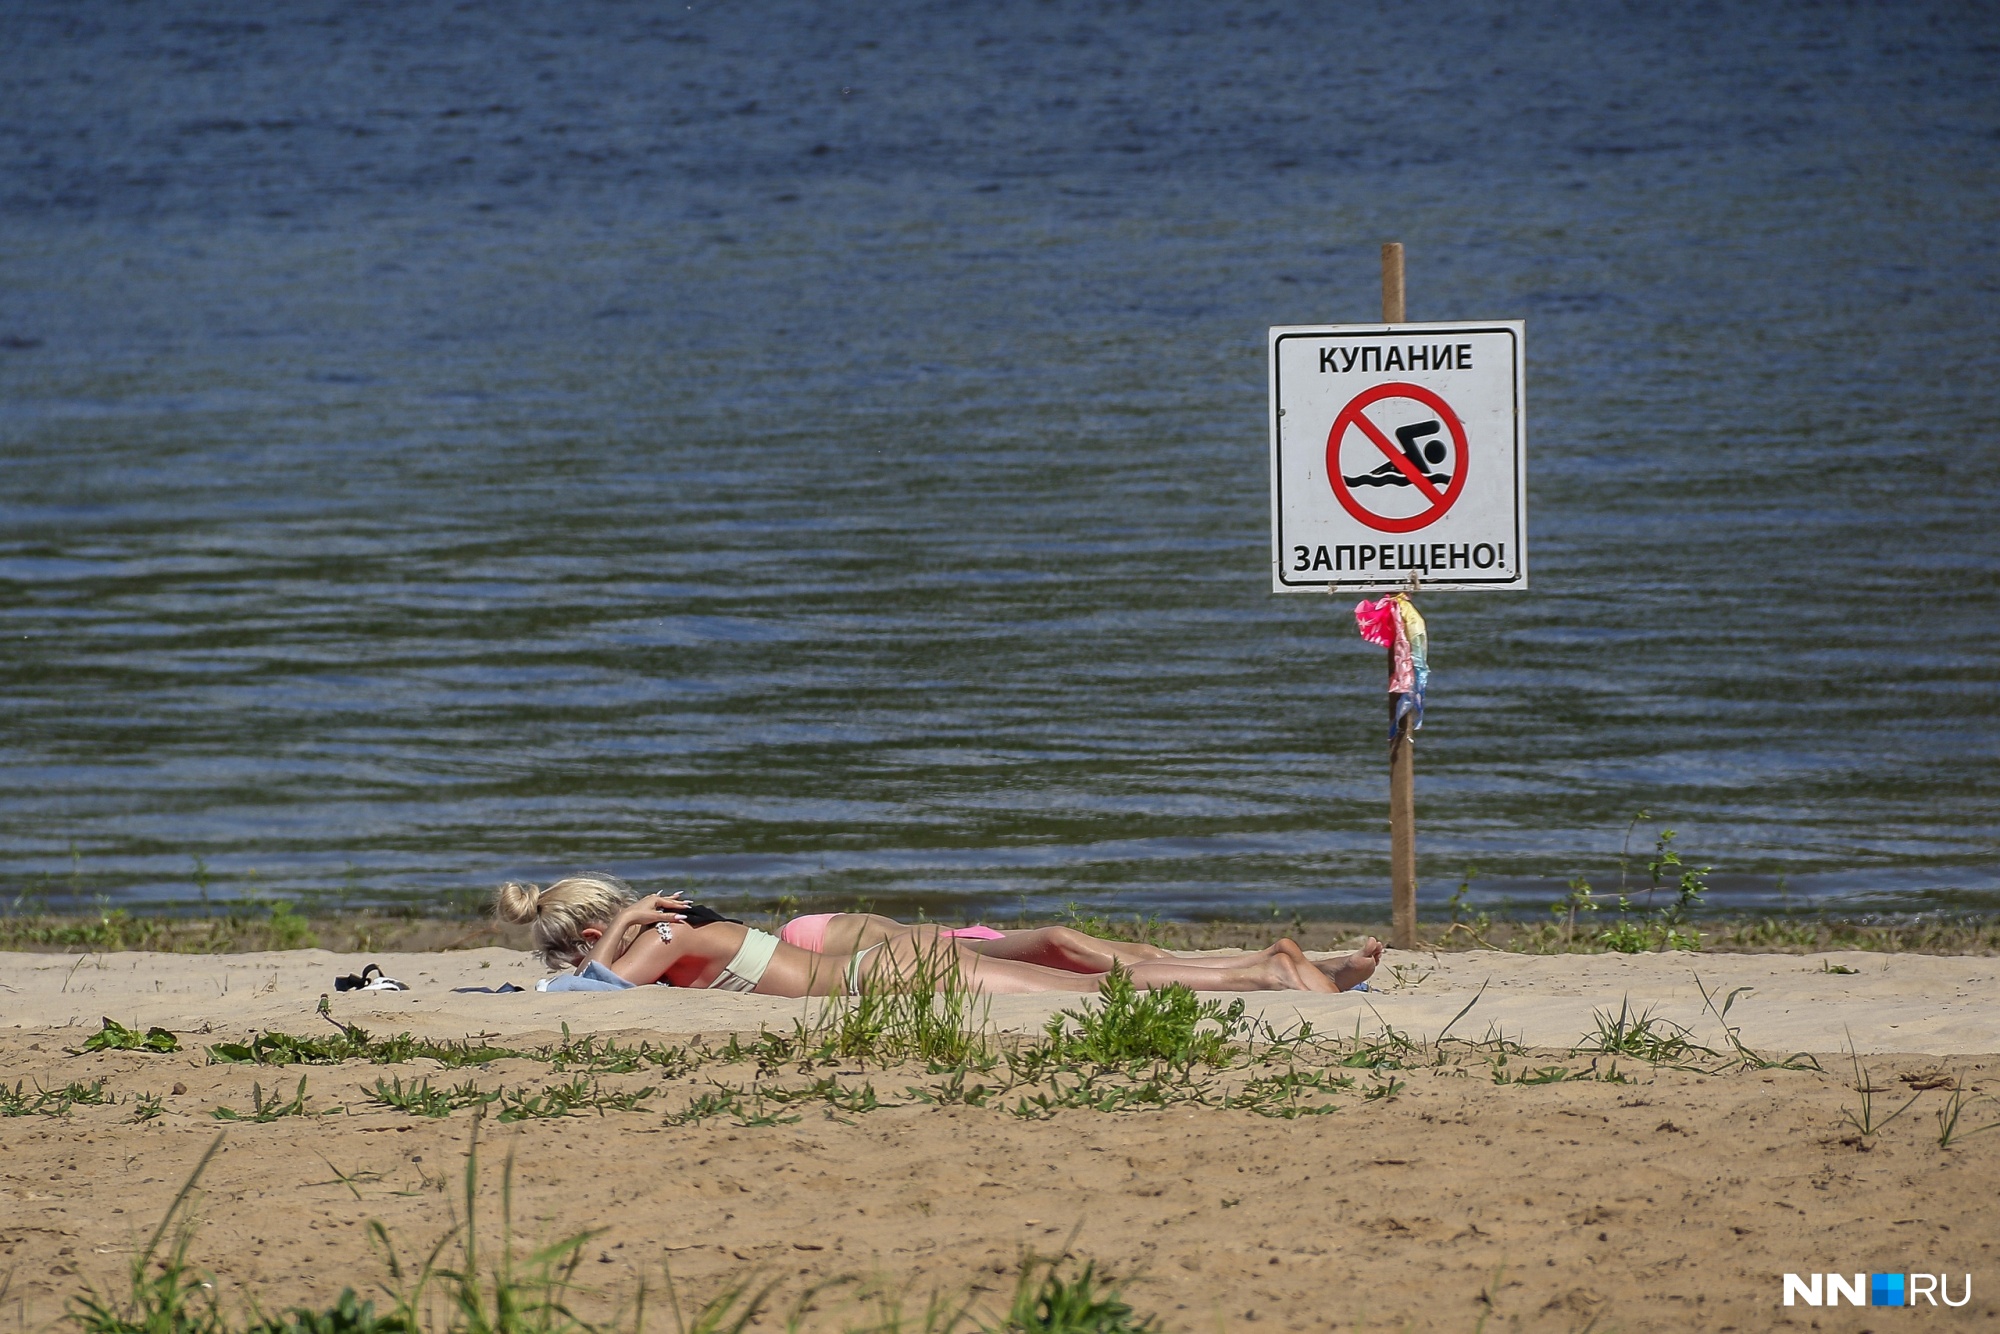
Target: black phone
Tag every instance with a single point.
(701, 915)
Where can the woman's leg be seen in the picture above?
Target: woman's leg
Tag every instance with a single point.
(1250, 972)
(916, 951)
(1049, 946)
(1066, 948)
(913, 961)
(1343, 972)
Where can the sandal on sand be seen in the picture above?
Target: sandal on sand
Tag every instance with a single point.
(380, 981)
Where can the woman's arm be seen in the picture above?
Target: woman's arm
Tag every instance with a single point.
(635, 917)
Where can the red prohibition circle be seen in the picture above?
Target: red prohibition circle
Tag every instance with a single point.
(1350, 416)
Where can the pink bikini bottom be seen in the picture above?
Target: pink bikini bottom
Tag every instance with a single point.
(809, 932)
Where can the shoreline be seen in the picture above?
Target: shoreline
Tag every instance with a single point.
(261, 929)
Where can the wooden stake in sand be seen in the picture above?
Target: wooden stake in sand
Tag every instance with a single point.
(1375, 430)
(1402, 771)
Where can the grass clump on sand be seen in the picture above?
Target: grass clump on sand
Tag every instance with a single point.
(353, 1043)
(1644, 1037)
(930, 1015)
(1866, 1122)
(420, 1099)
(1129, 1026)
(1948, 1116)
(18, 1101)
(114, 1036)
(466, 1285)
(574, 1096)
(264, 1109)
(1047, 1300)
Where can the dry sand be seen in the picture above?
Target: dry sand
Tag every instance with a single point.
(1673, 1202)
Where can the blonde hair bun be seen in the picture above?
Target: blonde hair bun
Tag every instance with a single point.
(517, 901)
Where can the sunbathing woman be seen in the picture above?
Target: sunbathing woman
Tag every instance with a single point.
(1052, 946)
(596, 918)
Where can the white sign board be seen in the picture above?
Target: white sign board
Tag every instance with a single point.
(1399, 450)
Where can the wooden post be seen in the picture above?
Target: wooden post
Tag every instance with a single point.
(1392, 282)
(1402, 770)
(1402, 837)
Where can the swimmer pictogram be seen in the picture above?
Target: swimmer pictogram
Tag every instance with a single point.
(1408, 438)
(1426, 463)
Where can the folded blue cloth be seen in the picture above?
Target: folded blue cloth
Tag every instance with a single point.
(594, 977)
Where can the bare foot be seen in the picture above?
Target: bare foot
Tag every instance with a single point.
(1350, 970)
(1279, 973)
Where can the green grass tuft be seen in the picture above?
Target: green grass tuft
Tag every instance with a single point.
(1645, 1037)
(353, 1043)
(18, 1101)
(1048, 1300)
(1171, 1026)
(114, 1036)
(420, 1099)
(267, 1109)
(927, 1014)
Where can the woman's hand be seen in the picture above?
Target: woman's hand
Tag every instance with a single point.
(653, 908)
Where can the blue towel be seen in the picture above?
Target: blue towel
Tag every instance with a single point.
(595, 977)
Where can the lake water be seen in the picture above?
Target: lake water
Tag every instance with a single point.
(821, 452)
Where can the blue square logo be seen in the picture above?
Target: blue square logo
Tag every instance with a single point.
(1885, 1290)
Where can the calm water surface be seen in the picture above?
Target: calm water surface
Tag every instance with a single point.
(822, 452)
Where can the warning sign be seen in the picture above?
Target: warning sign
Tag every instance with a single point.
(1398, 450)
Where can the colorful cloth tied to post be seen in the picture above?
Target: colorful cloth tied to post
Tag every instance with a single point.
(1396, 625)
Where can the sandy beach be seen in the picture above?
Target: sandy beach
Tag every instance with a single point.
(1432, 1194)
(1889, 1003)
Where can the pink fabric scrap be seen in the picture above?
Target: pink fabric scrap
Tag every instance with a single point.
(1379, 621)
